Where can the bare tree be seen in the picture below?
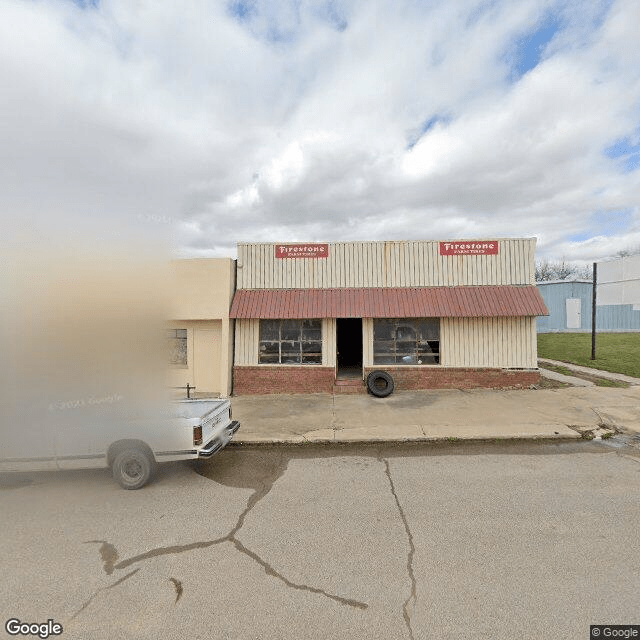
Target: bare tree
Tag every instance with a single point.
(585, 272)
(628, 251)
(544, 270)
(554, 270)
(564, 270)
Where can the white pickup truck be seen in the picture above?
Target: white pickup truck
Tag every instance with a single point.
(81, 436)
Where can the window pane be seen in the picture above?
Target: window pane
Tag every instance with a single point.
(178, 351)
(428, 329)
(269, 329)
(409, 341)
(312, 347)
(290, 330)
(429, 347)
(384, 359)
(284, 341)
(405, 332)
(270, 347)
(382, 329)
(425, 347)
(383, 347)
(311, 334)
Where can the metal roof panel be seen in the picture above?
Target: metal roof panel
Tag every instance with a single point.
(401, 302)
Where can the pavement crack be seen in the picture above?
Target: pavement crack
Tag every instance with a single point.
(260, 492)
(165, 551)
(262, 487)
(177, 585)
(111, 586)
(412, 596)
(333, 413)
(269, 570)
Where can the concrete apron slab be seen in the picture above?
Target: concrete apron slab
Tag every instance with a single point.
(434, 415)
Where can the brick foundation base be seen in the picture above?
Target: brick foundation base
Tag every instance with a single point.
(468, 378)
(265, 379)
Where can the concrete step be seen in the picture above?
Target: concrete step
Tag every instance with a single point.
(348, 390)
(349, 385)
(348, 382)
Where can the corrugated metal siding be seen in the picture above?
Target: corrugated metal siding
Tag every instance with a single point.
(616, 318)
(555, 296)
(367, 342)
(609, 318)
(385, 264)
(247, 337)
(329, 342)
(488, 342)
(435, 302)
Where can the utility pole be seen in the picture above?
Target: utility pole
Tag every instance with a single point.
(593, 311)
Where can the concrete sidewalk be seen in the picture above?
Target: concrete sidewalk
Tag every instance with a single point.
(435, 415)
(589, 371)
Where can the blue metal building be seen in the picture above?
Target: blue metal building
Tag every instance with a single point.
(569, 304)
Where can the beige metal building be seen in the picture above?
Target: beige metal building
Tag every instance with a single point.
(433, 314)
(201, 334)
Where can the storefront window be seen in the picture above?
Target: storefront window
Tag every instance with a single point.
(290, 342)
(177, 339)
(406, 341)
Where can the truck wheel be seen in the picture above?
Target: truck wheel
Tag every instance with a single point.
(132, 468)
(380, 384)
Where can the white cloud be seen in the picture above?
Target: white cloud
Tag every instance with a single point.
(294, 121)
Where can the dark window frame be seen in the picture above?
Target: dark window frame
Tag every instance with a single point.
(290, 342)
(406, 342)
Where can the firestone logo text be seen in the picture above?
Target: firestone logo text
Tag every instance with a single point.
(302, 250)
(488, 247)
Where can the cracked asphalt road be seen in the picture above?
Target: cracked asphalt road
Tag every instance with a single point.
(417, 541)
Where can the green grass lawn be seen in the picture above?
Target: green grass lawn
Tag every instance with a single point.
(617, 352)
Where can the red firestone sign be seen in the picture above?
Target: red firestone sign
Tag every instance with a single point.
(302, 250)
(473, 248)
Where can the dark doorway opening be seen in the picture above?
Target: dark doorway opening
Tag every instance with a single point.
(349, 347)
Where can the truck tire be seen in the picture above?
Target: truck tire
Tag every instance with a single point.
(380, 384)
(132, 468)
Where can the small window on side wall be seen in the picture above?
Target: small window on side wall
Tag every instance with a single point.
(290, 342)
(177, 343)
(408, 341)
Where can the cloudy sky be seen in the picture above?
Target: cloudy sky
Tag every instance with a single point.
(291, 120)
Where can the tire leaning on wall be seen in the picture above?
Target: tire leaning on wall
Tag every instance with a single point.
(380, 384)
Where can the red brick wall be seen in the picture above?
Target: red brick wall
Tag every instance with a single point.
(265, 379)
(463, 378)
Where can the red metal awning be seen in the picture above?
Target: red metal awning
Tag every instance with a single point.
(418, 302)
